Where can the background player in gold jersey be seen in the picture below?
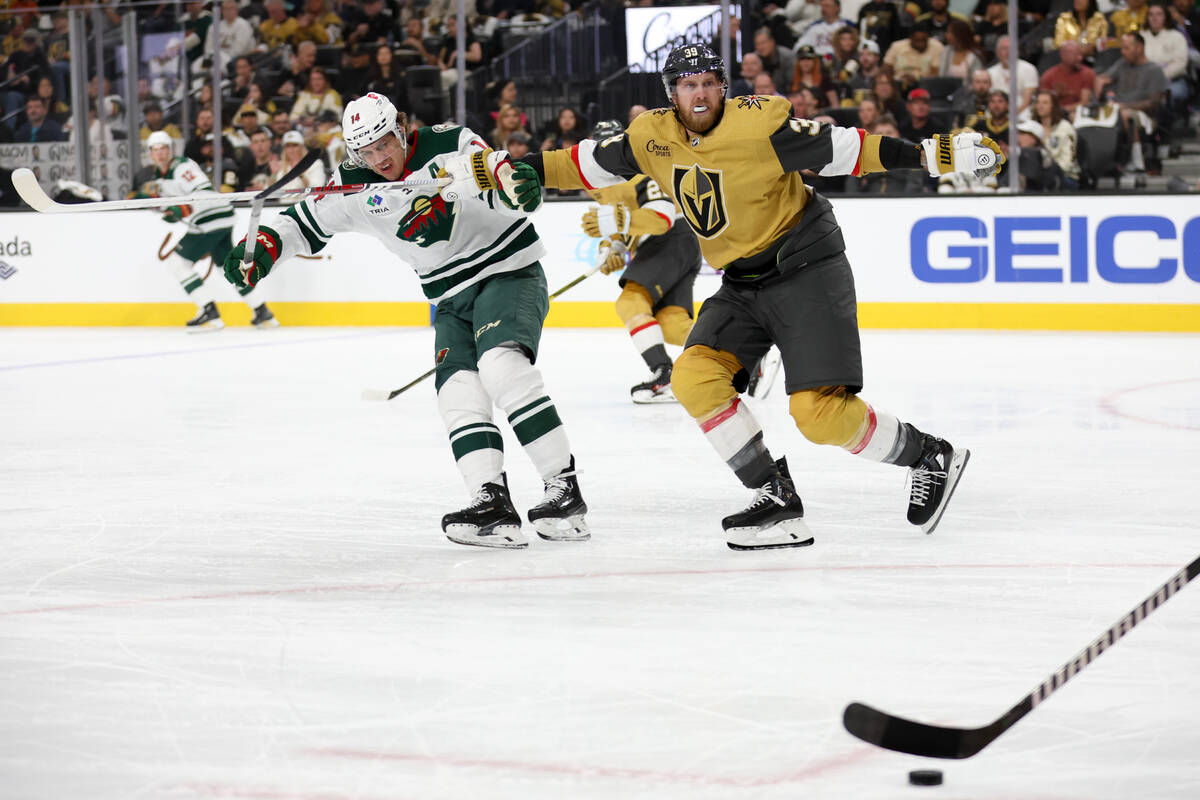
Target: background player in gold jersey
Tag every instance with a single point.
(733, 167)
(655, 303)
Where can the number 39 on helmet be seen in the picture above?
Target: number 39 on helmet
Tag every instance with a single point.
(690, 59)
(368, 119)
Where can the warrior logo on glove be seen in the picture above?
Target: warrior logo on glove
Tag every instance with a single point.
(969, 153)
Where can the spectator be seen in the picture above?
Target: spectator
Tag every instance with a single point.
(751, 68)
(368, 24)
(765, 87)
(281, 123)
(779, 63)
(1037, 169)
(508, 120)
(37, 126)
(329, 137)
(862, 82)
(237, 34)
(635, 111)
(1071, 80)
(356, 70)
(1060, 139)
(317, 16)
(518, 144)
(843, 65)
(411, 50)
(448, 53)
(262, 163)
(1027, 74)
(278, 28)
(969, 101)
(292, 151)
(56, 109)
(938, 18)
(26, 66)
(1187, 19)
(566, 124)
(295, 76)
(810, 72)
(1138, 87)
(921, 124)
(243, 76)
(315, 98)
(1129, 19)
(386, 78)
(248, 121)
(885, 91)
(868, 113)
(1168, 48)
(819, 34)
(993, 25)
(804, 102)
(1084, 25)
(309, 29)
(504, 93)
(914, 58)
(879, 20)
(959, 59)
(152, 114)
(894, 181)
(58, 52)
(256, 98)
(995, 122)
(201, 128)
(787, 23)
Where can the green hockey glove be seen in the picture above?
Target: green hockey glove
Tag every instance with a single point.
(266, 252)
(177, 213)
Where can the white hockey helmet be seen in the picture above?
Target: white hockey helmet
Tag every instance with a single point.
(368, 119)
(160, 139)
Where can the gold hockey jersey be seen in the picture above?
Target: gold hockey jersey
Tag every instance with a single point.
(738, 186)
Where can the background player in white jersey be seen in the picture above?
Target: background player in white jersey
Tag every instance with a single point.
(210, 233)
(655, 303)
(476, 253)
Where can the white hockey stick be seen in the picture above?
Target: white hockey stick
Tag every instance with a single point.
(32, 193)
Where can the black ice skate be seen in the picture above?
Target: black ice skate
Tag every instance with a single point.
(762, 377)
(489, 521)
(774, 519)
(209, 319)
(559, 517)
(263, 318)
(932, 481)
(655, 390)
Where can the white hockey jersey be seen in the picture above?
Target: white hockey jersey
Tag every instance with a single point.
(450, 245)
(184, 176)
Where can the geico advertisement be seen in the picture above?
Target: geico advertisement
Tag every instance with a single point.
(1076, 249)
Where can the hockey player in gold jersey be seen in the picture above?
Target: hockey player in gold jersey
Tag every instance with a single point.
(636, 219)
(733, 168)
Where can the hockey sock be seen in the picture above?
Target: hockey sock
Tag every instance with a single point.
(738, 439)
(884, 438)
(475, 441)
(634, 309)
(515, 386)
(190, 280)
(251, 296)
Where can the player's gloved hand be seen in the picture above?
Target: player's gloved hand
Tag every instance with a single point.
(520, 186)
(965, 153)
(471, 173)
(176, 213)
(266, 252)
(613, 254)
(606, 220)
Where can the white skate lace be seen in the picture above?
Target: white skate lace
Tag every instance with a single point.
(557, 487)
(761, 496)
(924, 481)
(482, 497)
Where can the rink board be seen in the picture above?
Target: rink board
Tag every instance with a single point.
(1048, 263)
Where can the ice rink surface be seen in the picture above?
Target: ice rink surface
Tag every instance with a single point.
(222, 576)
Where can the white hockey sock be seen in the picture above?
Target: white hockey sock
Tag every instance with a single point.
(647, 335)
(475, 440)
(254, 297)
(883, 439)
(738, 439)
(515, 386)
(190, 280)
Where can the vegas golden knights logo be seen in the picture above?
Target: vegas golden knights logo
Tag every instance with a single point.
(701, 198)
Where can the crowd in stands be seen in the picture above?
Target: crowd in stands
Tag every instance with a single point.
(1097, 84)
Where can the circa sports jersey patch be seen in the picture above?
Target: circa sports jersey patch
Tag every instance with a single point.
(429, 220)
(701, 197)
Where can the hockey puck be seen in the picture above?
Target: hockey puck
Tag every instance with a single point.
(925, 777)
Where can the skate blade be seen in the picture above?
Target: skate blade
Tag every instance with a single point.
(208, 327)
(650, 398)
(957, 464)
(569, 529)
(789, 533)
(508, 537)
(262, 326)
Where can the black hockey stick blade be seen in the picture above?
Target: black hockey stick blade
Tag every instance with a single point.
(935, 741)
(256, 206)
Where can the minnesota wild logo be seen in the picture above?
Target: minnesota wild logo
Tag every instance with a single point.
(429, 220)
(701, 199)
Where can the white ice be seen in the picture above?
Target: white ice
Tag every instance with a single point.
(222, 576)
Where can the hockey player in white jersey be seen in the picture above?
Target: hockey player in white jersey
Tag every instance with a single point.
(210, 233)
(476, 253)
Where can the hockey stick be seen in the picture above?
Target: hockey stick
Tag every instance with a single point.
(933, 741)
(32, 193)
(384, 394)
(256, 208)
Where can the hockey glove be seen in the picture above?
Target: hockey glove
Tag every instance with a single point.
(613, 254)
(606, 220)
(266, 252)
(177, 213)
(520, 186)
(964, 153)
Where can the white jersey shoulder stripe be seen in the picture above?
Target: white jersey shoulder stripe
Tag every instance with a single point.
(847, 145)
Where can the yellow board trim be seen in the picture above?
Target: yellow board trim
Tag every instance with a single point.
(1175, 318)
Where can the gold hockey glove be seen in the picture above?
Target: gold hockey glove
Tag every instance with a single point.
(606, 220)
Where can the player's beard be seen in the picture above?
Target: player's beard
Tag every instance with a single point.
(700, 124)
